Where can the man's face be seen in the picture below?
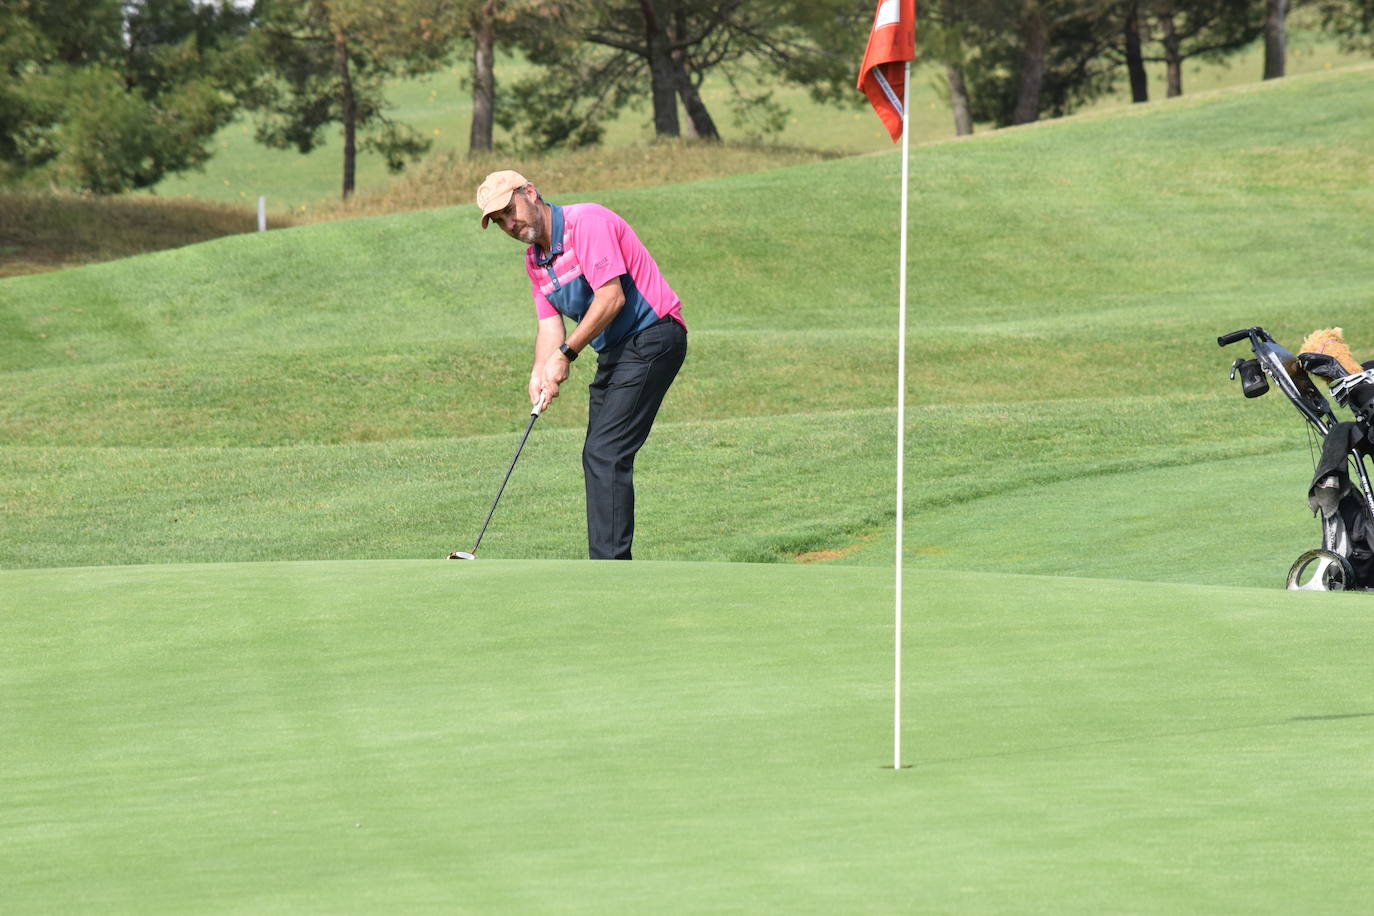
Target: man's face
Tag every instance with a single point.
(522, 219)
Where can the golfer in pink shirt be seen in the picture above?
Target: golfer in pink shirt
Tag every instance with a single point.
(586, 263)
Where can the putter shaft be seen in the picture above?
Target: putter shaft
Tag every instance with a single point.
(534, 415)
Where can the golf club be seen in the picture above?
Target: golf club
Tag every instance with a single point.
(472, 555)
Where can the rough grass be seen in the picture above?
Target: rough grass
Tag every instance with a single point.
(42, 231)
(449, 178)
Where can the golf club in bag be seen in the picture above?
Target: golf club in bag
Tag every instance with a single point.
(1345, 560)
(472, 554)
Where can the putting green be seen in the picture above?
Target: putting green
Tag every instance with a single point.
(503, 737)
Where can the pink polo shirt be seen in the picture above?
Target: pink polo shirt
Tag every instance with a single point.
(590, 246)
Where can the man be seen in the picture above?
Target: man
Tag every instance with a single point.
(587, 264)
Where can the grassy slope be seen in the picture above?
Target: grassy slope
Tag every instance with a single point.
(494, 738)
(1068, 281)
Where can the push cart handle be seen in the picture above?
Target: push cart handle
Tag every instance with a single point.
(1226, 340)
(1257, 335)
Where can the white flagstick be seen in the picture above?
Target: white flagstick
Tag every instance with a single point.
(901, 424)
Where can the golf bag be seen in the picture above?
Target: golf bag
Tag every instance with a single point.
(1345, 560)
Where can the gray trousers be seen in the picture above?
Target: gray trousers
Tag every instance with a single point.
(623, 400)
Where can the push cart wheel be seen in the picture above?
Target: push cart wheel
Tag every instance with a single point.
(1321, 571)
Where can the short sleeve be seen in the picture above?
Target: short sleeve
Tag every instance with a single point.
(543, 308)
(598, 245)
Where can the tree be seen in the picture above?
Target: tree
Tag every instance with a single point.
(1034, 43)
(959, 101)
(1275, 38)
(1352, 21)
(1038, 56)
(1135, 60)
(330, 60)
(940, 36)
(22, 117)
(597, 57)
(806, 43)
(1049, 56)
(482, 22)
(110, 96)
(1208, 29)
(645, 37)
(485, 24)
(577, 89)
(700, 124)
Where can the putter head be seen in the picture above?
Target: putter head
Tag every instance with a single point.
(461, 555)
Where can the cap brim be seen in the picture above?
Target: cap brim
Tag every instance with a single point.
(495, 205)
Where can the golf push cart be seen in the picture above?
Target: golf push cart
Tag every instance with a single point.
(1345, 560)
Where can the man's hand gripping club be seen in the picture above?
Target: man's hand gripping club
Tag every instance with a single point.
(551, 367)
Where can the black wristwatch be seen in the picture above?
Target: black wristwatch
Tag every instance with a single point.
(567, 351)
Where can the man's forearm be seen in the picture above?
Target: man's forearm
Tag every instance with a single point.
(546, 342)
(606, 304)
(551, 367)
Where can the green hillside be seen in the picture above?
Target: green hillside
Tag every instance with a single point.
(350, 389)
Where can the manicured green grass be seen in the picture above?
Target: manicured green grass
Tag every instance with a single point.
(499, 737)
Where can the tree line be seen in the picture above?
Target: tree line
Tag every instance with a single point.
(113, 95)
(1014, 61)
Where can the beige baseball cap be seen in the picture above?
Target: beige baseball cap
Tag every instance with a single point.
(495, 191)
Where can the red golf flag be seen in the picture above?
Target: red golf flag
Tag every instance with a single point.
(882, 75)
